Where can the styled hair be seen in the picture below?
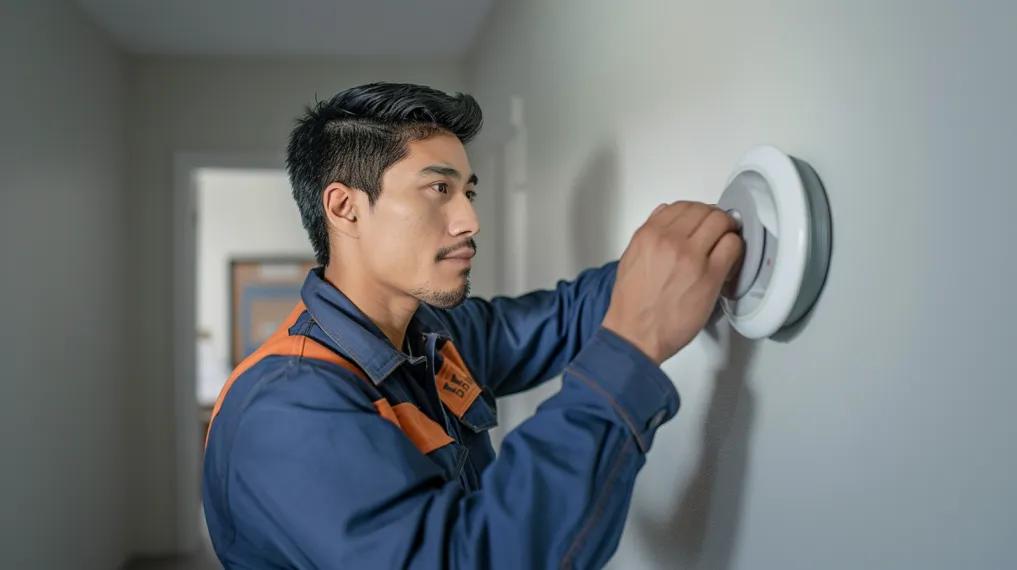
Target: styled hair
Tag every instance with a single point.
(356, 135)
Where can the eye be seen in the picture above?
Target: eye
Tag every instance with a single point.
(440, 187)
(471, 195)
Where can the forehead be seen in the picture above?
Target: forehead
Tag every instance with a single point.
(436, 149)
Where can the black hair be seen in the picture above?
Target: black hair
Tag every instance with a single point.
(356, 135)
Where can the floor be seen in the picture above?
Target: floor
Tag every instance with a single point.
(204, 559)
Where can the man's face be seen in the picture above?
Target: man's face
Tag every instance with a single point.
(418, 237)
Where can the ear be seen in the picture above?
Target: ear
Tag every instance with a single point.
(340, 204)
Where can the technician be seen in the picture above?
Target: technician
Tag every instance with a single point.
(357, 436)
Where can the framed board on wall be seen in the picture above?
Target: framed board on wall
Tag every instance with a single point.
(263, 291)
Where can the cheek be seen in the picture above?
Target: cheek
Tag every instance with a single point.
(405, 241)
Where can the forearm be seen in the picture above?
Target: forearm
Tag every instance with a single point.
(516, 343)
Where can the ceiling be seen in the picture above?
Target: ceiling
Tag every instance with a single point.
(400, 28)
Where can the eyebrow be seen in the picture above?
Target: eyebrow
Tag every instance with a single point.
(448, 171)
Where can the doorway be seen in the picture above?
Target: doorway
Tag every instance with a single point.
(240, 252)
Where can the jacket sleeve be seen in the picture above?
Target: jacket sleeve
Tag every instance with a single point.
(515, 343)
(337, 486)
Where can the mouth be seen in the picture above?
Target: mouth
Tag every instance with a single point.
(460, 261)
(461, 256)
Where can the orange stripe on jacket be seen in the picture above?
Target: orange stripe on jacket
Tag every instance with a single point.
(424, 432)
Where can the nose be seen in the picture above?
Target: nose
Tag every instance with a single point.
(463, 221)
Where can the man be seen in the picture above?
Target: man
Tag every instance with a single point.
(357, 436)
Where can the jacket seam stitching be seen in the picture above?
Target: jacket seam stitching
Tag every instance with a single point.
(625, 417)
(598, 509)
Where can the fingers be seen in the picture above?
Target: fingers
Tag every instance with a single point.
(713, 227)
(664, 214)
(689, 220)
(725, 256)
(703, 225)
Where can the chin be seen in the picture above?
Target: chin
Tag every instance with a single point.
(445, 298)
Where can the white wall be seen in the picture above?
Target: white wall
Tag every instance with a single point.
(64, 281)
(207, 106)
(881, 436)
(241, 213)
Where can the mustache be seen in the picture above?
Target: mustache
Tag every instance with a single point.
(452, 249)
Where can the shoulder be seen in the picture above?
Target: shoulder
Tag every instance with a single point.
(290, 386)
(296, 380)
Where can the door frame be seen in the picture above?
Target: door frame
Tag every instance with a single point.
(185, 412)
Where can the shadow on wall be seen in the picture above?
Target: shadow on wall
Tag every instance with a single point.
(592, 216)
(703, 524)
(702, 527)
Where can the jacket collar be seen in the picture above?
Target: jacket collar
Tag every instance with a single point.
(353, 332)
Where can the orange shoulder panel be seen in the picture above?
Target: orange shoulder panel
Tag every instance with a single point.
(424, 432)
(281, 343)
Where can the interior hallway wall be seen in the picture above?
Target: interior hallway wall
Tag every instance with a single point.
(63, 229)
(210, 105)
(880, 434)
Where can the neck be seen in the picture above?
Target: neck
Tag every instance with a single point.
(389, 310)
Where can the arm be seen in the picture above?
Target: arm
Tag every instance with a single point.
(341, 487)
(515, 343)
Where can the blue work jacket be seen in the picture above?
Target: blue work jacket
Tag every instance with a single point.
(331, 448)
